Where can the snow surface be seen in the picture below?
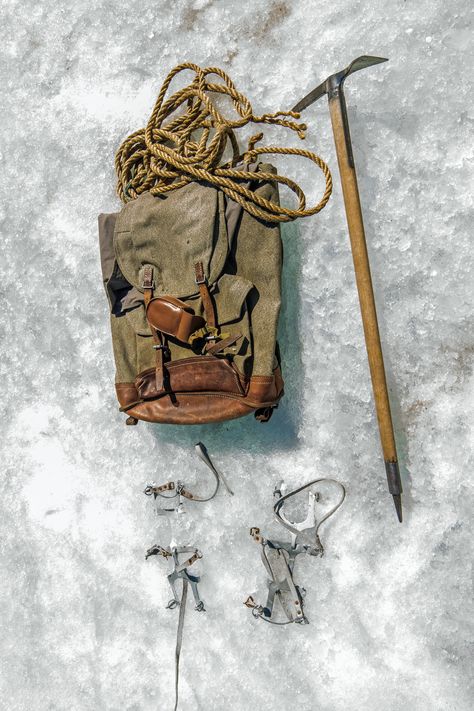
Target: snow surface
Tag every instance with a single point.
(83, 619)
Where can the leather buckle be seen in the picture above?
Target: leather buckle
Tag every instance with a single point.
(199, 273)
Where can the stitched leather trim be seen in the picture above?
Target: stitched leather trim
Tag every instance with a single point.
(205, 406)
(198, 374)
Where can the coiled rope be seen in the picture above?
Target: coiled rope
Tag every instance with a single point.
(189, 147)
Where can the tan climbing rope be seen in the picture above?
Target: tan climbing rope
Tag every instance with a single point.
(190, 147)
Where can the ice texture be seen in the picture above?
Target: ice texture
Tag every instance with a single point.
(83, 621)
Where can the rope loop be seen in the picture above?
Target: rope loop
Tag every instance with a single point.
(175, 149)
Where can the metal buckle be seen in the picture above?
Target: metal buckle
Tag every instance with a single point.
(165, 349)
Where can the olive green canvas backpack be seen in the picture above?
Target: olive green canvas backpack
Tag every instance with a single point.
(192, 263)
(193, 284)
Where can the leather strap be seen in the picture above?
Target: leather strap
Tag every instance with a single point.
(206, 297)
(147, 284)
(203, 454)
(179, 639)
(160, 345)
(159, 367)
(180, 490)
(156, 490)
(214, 348)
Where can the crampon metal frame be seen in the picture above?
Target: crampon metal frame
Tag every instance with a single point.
(180, 572)
(173, 492)
(279, 557)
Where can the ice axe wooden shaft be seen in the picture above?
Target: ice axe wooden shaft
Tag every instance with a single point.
(333, 87)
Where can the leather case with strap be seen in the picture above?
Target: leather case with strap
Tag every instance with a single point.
(173, 317)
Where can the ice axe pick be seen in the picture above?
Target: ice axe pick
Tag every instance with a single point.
(333, 87)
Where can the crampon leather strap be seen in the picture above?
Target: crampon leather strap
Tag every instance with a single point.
(179, 641)
(182, 573)
(172, 489)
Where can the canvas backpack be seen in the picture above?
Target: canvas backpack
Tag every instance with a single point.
(194, 288)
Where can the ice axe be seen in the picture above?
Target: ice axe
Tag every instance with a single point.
(333, 87)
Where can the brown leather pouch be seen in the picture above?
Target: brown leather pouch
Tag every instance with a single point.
(198, 374)
(173, 317)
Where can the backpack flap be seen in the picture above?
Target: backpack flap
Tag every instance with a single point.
(122, 296)
(172, 234)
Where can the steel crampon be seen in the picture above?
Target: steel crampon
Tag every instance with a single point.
(279, 557)
(180, 572)
(172, 490)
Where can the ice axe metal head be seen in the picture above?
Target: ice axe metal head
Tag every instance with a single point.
(335, 81)
(333, 87)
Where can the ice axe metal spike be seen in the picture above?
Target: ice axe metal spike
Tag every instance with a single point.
(333, 87)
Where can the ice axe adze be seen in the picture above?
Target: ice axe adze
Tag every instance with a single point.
(333, 87)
